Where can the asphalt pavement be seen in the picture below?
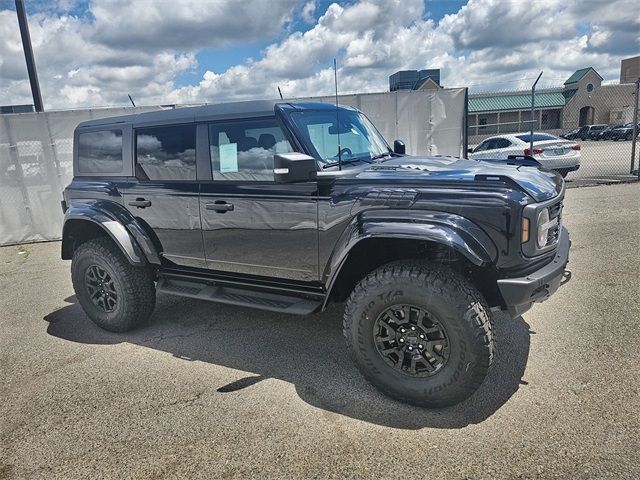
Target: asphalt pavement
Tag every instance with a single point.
(213, 391)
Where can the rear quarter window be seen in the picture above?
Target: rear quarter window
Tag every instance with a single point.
(100, 152)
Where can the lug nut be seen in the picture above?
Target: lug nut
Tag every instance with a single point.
(402, 340)
(410, 348)
(402, 330)
(422, 336)
(413, 328)
(420, 346)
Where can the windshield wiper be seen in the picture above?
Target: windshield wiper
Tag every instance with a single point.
(347, 160)
(382, 155)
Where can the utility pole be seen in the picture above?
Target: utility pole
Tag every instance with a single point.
(533, 112)
(28, 55)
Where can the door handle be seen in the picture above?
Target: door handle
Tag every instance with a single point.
(140, 203)
(220, 206)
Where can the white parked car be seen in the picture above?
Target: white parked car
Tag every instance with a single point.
(554, 153)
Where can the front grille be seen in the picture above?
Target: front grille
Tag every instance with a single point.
(555, 211)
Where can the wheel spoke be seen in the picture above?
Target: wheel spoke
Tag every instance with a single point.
(414, 315)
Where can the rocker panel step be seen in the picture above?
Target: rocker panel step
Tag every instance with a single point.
(273, 302)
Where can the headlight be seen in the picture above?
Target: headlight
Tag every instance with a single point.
(543, 227)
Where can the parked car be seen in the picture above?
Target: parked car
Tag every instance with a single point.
(624, 132)
(587, 131)
(571, 134)
(553, 153)
(258, 204)
(596, 131)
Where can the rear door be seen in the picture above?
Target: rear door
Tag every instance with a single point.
(250, 224)
(164, 195)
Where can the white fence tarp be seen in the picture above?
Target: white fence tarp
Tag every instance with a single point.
(428, 122)
(35, 165)
(36, 150)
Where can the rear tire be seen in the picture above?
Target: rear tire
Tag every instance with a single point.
(114, 294)
(435, 310)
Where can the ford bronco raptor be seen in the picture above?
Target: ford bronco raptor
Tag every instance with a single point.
(290, 206)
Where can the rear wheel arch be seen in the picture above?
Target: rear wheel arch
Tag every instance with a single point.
(77, 231)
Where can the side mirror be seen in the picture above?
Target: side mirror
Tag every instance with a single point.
(469, 150)
(399, 147)
(294, 167)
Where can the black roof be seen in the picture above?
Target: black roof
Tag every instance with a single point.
(220, 111)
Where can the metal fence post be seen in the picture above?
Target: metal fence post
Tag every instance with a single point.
(533, 111)
(465, 125)
(635, 129)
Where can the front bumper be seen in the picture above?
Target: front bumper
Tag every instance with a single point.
(520, 293)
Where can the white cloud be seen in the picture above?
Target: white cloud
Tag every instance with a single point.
(144, 47)
(307, 11)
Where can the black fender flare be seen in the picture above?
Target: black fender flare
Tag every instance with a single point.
(451, 230)
(118, 223)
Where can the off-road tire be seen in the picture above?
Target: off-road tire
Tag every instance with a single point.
(459, 307)
(136, 295)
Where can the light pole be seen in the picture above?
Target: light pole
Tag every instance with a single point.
(28, 56)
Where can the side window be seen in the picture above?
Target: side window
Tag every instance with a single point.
(244, 150)
(100, 152)
(501, 143)
(166, 153)
(481, 147)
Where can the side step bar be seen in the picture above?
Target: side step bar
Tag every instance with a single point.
(274, 302)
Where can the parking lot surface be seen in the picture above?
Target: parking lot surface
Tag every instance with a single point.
(210, 391)
(603, 160)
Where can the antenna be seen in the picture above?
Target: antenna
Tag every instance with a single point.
(335, 78)
(280, 92)
(131, 100)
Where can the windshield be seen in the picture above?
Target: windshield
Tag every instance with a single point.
(359, 139)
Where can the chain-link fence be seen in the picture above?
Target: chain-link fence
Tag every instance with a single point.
(599, 119)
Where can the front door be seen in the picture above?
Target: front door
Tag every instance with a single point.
(164, 196)
(250, 224)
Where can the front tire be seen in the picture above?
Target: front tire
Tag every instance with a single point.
(114, 294)
(420, 333)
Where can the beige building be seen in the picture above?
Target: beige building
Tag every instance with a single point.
(630, 69)
(582, 100)
(589, 102)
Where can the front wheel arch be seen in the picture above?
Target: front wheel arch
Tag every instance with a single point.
(371, 253)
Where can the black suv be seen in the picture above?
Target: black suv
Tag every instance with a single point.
(289, 206)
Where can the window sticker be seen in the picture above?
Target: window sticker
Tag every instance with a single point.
(229, 157)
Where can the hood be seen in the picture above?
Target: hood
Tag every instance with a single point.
(538, 183)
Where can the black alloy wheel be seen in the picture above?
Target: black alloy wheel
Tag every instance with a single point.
(101, 288)
(411, 340)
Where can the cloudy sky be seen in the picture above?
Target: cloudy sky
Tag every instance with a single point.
(92, 53)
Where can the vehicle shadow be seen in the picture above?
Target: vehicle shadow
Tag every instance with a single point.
(308, 352)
